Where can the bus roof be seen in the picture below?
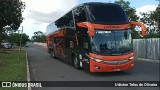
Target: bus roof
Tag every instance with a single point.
(87, 4)
(121, 17)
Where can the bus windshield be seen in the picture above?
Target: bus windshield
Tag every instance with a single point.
(106, 14)
(114, 42)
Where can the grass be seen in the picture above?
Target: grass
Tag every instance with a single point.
(13, 68)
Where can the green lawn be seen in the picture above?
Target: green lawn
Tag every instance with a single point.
(12, 68)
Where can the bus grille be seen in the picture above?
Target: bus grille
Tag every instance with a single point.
(115, 62)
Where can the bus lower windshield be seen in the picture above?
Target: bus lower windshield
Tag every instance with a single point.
(115, 42)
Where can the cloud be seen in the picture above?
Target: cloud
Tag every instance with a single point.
(145, 8)
(39, 13)
(45, 17)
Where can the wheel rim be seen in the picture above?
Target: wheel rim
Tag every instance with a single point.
(75, 62)
(52, 54)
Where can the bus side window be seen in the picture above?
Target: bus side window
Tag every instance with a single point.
(70, 42)
(84, 42)
(67, 42)
(79, 14)
(65, 21)
(55, 41)
(69, 20)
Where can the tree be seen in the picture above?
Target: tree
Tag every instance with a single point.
(39, 37)
(158, 19)
(151, 19)
(10, 15)
(131, 12)
(14, 38)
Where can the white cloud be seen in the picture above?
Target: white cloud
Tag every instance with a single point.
(145, 8)
(39, 13)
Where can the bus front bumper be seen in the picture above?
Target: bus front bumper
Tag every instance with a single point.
(103, 67)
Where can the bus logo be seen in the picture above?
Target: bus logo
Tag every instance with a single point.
(111, 27)
(6, 84)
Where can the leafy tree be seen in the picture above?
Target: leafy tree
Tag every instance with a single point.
(158, 19)
(10, 15)
(131, 12)
(39, 37)
(15, 38)
(151, 19)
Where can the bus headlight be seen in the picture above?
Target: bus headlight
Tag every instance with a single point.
(97, 60)
(131, 58)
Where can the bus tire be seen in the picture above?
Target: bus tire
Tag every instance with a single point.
(76, 62)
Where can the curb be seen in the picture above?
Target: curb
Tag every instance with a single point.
(28, 73)
(149, 60)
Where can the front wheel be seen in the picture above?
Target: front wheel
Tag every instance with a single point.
(76, 62)
(52, 54)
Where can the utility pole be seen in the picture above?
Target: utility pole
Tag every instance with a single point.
(20, 44)
(21, 39)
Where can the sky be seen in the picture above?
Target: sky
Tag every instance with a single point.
(39, 13)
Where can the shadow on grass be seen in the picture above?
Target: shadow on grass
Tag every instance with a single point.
(5, 52)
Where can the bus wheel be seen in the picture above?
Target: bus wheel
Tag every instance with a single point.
(76, 63)
(52, 54)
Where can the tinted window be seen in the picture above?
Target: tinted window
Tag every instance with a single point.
(51, 28)
(84, 41)
(69, 20)
(65, 21)
(79, 14)
(113, 42)
(106, 13)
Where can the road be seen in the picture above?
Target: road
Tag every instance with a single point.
(43, 68)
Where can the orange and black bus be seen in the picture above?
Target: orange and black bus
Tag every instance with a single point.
(94, 36)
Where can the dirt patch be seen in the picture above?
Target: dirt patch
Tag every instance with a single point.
(4, 63)
(5, 52)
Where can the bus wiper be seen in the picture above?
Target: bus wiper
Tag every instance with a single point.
(117, 54)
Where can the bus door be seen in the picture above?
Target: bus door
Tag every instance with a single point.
(69, 48)
(84, 47)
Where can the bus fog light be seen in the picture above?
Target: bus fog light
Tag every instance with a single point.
(97, 67)
(132, 65)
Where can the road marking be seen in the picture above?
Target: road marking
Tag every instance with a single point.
(34, 74)
(28, 73)
(149, 60)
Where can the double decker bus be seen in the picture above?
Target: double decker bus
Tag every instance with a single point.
(94, 36)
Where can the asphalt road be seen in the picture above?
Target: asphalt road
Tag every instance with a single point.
(44, 68)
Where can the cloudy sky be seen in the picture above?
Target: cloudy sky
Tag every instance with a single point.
(39, 13)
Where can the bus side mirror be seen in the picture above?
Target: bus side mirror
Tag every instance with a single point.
(144, 30)
(87, 25)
